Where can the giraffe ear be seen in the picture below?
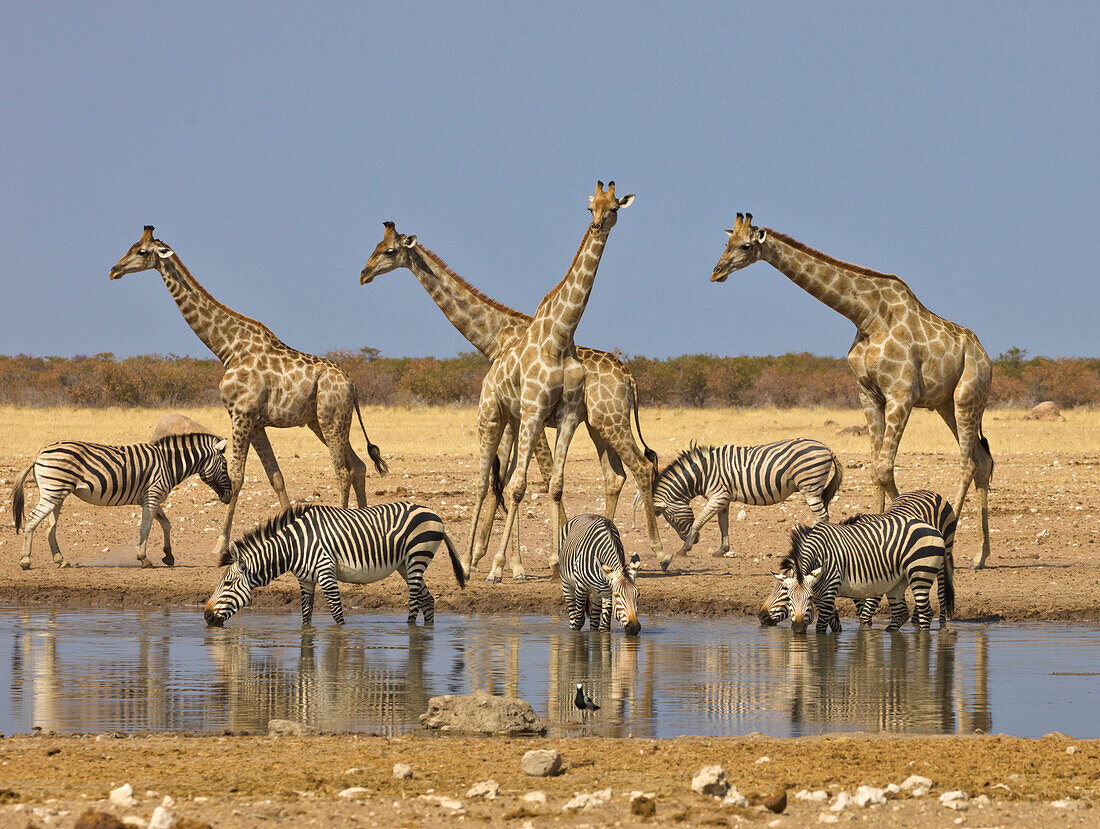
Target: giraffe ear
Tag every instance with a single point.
(626, 201)
(409, 241)
(163, 251)
(220, 445)
(761, 235)
(729, 232)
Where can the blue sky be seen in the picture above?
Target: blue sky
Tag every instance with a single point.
(952, 144)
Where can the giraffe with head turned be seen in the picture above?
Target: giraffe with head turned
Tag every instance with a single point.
(266, 383)
(610, 392)
(538, 381)
(904, 356)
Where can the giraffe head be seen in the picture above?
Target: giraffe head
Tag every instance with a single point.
(142, 255)
(605, 207)
(742, 249)
(390, 254)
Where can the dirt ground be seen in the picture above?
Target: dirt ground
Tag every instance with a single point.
(1044, 564)
(231, 780)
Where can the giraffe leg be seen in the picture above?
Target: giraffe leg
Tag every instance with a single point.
(613, 475)
(545, 459)
(874, 410)
(166, 528)
(490, 428)
(897, 416)
(566, 427)
(235, 460)
(621, 442)
(976, 465)
(266, 454)
(526, 437)
(334, 430)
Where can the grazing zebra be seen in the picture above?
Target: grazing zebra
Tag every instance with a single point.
(865, 558)
(324, 545)
(595, 577)
(758, 475)
(110, 476)
(922, 504)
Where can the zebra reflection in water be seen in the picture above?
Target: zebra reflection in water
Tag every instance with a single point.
(607, 667)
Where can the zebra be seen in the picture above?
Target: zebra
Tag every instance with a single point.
(324, 545)
(923, 504)
(756, 475)
(863, 558)
(110, 476)
(595, 577)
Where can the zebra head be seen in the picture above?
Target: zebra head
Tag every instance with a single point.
(391, 253)
(800, 606)
(233, 592)
(775, 609)
(744, 247)
(215, 473)
(625, 594)
(679, 516)
(143, 255)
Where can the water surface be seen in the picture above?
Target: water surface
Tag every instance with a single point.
(79, 670)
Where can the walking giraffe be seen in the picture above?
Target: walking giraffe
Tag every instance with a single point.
(610, 392)
(538, 381)
(266, 383)
(903, 356)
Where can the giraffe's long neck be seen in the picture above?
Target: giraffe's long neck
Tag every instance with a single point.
(478, 318)
(217, 326)
(560, 311)
(848, 290)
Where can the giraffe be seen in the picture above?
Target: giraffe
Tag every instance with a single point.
(610, 390)
(537, 381)
(266, 383)
(903, 356)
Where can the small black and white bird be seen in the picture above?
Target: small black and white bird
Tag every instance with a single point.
(583, 701)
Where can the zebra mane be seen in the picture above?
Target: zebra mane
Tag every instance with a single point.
(799, 534)
(163, 439)
(852, 519)
(694, 450)
(272, 526)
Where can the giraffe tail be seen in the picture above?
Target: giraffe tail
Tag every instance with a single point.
(650, 455)
(985, 445)
(456, 565)
(498, 487)
(17, 496)
(833, 486)
(373, 451)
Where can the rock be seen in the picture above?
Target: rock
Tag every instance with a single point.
(1072, 749)
(289, 728)
(582, 801)
(353, 793)
(98, 820)
(776, 801)
(893, 790)
(162, 819)
(536, 796)
(175, 423)
(825, 817)
(188, 823)
(1068, 804)
(868, 796)
(643, 804)
(981, 800)
(958, 805)
(817, 796)
(135, 822)
(1044, 411)
(488, 789)
(402, 771)
(853, 430)
(481, 713)
(764, 759)
(541, 762)
(843, 801)
(123, 795)
(741, 515)
(1042, 536)
(955, 800)
(710, 780)
(918, 786)
(735, 798)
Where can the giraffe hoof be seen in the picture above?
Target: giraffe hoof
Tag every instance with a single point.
(145, 563)
(26, 565)
(169, 559)
(977, 565)
(520, 577)
(63, 565)
(665, 562)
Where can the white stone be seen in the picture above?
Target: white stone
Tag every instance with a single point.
(162, 819)
(135, 821)
(982, 800)
(741, 515)
(843, 800)
(816, 796)
(1068, 804)
(535, 797)
(825, 817)
(353, 792)
(123, 795)
(958, 805)
(951, 797)
(710, 780)
(488, 789)
(764, 759)
(915, 781)
(541, 762)
(402, 771)
(1072, 749)
(735, 798)
(893, 790)
(450, 803)
(868, 796)
(200, 799)
(582, 801)
(169, 802)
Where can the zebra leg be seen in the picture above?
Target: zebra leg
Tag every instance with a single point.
(827, 617)
(166, 528)
(922, 612)
(43, 509)
(419, 597)
(575, 606)
(307, 588)
(149, 508)
(724, 529)
(816, 502)
(51, 536)
(595, 610)
(865, 609)
(331, 590)
(266, 454)
(899, 610)
(713, 504)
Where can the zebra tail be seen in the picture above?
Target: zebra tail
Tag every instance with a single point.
(948, 609)
(373, 451)
(456, 565)
(17, 496)
(834, 485)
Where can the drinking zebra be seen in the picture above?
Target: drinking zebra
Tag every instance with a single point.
(324, 545)
(595, 577)
(863, 558)
(922, 504)
(756, 475)
(110, 476)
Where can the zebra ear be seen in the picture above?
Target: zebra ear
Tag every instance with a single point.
(780, 576)
(607, 571)
(815, 573)
(220, 445)
(633, 569)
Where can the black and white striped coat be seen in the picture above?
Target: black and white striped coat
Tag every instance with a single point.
(922, 504)
(863, 559)
(324, 545)
(141, 474)
(755, 475)
(595, 577)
